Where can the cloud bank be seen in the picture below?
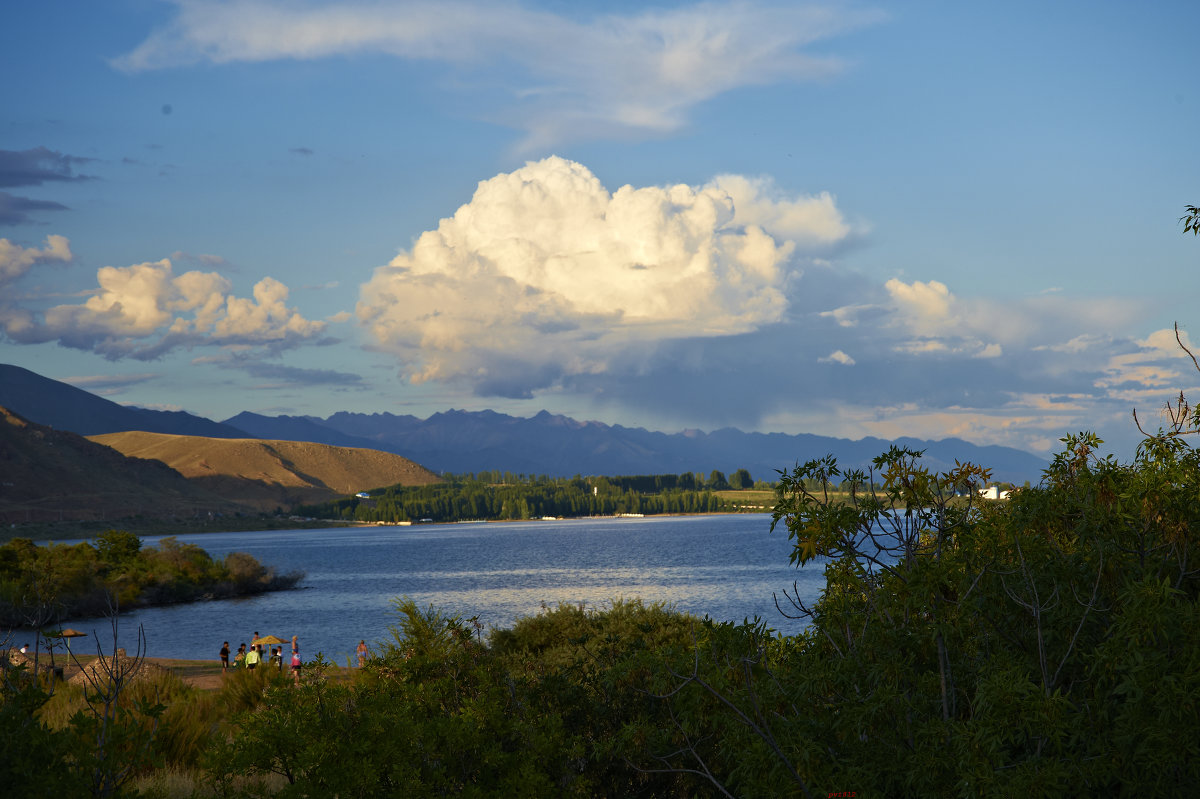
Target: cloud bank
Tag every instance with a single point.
(146, 310)
(610, 75)
(546, 274)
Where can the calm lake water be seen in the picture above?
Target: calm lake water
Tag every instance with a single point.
(727, 567)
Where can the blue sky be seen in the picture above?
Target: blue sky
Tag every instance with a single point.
(916, 218)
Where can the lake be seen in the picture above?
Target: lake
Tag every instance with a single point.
(725, 566)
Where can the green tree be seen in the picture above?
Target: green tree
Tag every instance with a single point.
(716, 481)
(741, 479)
(118, 547)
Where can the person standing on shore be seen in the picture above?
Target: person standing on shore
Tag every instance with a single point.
(225, 656)
(239, 660)
(296, 663)
(362, 653)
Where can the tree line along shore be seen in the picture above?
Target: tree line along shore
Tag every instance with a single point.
(496, 496)
(42, 584)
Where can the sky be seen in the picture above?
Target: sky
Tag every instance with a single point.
(926, 219)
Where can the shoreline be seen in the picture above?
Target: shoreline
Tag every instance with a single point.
(83, 531)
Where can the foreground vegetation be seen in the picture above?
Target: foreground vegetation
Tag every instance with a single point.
(42, 585)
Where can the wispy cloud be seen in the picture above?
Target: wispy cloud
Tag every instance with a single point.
(608, 75)
(37, 166)
(109, 385)
(16, 210)
(294, 376)
(34, 167)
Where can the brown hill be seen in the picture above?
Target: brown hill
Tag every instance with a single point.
(268, 474)
(49, 475)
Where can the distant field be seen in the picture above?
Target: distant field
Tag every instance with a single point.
(749, 497)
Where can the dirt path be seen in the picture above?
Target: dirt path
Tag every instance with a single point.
(202, 674)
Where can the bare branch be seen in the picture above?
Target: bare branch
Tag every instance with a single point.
(1079, 627)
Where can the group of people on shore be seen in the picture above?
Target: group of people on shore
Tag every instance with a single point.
(258, 654)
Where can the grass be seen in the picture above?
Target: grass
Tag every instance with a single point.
(749, 498)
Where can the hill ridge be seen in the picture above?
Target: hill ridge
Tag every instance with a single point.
(51, 475)
(265, 473)
(62, 406)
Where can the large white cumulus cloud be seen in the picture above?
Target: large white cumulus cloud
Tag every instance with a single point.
(545, 273)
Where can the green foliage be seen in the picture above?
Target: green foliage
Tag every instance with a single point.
(1191, 220)
(431, 714)
(555, 706)
(40, 585)
(593, 670)
(741, 479)
(32, 754)
(118, 547)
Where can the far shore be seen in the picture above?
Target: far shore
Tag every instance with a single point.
(69, 531)
(142, 527)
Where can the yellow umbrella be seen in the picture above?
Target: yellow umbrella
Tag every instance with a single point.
(65, 635)
(68, 634)
(269, 640)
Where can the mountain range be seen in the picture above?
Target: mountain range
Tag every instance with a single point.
(472, 441)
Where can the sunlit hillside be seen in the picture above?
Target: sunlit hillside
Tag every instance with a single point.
(270, 474)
